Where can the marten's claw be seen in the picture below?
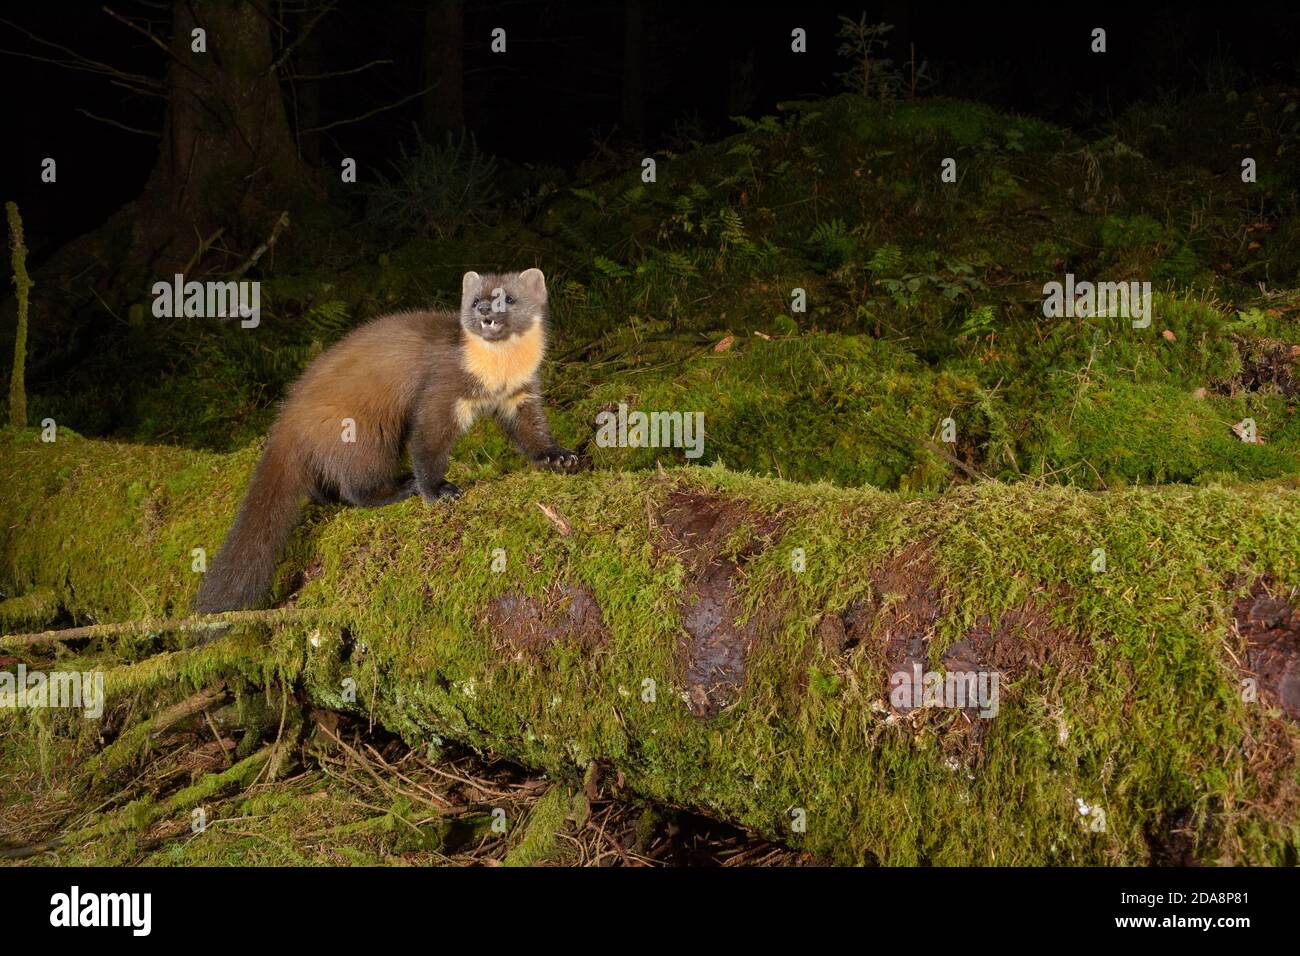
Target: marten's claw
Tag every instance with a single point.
(447, 491)
(558, 459)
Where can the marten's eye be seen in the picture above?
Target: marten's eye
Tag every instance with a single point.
(475, 304)
(510, 300)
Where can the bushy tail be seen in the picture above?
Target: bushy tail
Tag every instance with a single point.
(242, 571)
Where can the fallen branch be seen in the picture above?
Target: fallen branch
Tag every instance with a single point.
(938, 450)
(202, 250)
(130, 744)
(198, 622)
(556, 519)
(281, 224)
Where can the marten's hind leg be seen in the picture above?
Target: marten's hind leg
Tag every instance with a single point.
(322, 494)
(378, 495)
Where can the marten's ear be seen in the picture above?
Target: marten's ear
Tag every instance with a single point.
(469, 287)
(534, 283)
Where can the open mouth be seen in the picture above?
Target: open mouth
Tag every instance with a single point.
(492, 333)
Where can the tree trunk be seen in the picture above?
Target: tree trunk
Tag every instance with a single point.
(728, 642)
(443, 106)
(226, 152)
(310, 61)
(634, 71)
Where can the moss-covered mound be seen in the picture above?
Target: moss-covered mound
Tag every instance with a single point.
(727, 642)
(923, 299)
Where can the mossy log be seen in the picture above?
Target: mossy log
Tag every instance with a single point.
(726, 642)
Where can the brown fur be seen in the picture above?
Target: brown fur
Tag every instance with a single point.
(413, 381)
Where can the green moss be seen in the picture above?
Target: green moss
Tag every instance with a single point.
(540, 831)
(1152, 721)
(32, 610)
(894, 263)
(140, 813)
(729, 230)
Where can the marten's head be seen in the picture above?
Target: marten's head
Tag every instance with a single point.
(496, 307)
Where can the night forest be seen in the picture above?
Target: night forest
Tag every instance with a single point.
(931, 376)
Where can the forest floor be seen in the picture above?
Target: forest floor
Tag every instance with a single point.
(357, 796)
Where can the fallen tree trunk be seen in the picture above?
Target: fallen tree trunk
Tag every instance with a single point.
(728, 643)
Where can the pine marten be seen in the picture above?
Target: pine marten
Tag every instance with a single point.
(412, 381)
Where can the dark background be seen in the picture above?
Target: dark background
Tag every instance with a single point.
(558, 93)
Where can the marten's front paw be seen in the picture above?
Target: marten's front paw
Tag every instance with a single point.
(444, 492)
(558, 459)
